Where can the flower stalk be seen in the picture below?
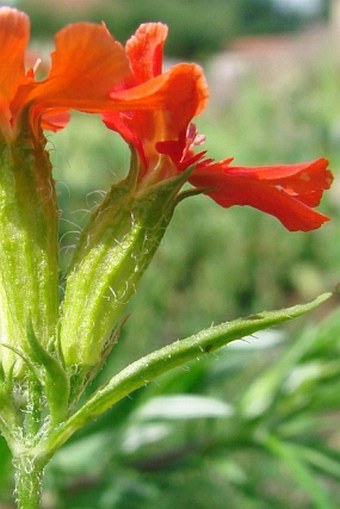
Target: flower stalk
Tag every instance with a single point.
(28, 481)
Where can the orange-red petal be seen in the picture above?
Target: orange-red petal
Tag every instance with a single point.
(167, 92)
(287, 199)
(86, 64)
(145, 51)
(14, 35)
(158, 110)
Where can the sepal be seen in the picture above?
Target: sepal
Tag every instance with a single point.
(112, 255)
(8, 415)
(28, 245)
(81, 378)
(54, 378)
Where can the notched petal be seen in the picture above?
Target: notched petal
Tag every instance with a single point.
(14, 36)
(145, 51)
(290, 199)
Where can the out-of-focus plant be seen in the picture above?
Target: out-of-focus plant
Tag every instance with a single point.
(201, 29)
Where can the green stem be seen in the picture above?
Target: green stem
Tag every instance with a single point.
(28, 481)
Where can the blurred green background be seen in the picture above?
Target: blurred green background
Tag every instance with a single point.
(256, 425)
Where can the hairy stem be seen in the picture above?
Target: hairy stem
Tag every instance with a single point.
(28, 481)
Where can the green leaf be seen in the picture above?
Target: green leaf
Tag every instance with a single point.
(300, 471)
(322, 459)
(56, 381)
(142, 371)
(262, 393)
(183, 406)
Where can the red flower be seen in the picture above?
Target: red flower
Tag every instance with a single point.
(151, 109)
(86, 64)
(174, 98)
(164, 139)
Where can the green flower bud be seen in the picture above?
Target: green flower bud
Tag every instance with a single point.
(28, 247)
(113, 253)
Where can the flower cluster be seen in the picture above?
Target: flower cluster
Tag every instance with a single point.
(165, 138)
(151, 109)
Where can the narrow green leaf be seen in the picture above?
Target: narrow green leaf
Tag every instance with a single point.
(183, 406)
(261, 394)
(300, 471)
(55, 381)
(142, 371)
(322, 459)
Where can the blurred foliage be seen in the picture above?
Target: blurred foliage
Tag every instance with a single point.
(201, 28)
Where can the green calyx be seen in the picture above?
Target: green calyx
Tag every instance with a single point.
(113, 253)
(28, 247)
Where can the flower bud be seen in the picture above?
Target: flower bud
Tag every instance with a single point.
(113, 253)
(28, 247)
